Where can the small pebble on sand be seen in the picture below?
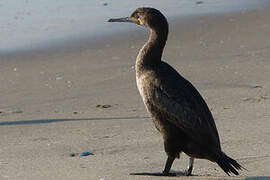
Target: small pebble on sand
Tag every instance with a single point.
(86, 154)
(17, 112)
(73, 154)
(256, 86)
(103, 106)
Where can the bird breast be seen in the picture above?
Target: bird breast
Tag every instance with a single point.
(146, 86)
(141, 84)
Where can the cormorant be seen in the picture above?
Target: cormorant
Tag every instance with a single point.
(177, 109)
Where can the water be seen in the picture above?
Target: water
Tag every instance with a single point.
(26, 24)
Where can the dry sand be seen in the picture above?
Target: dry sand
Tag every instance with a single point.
(50, 103)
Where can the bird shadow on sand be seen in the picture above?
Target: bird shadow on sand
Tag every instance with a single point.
(172, 174)
(45, 121)
(258, 178)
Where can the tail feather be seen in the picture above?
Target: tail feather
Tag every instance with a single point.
(228, 165)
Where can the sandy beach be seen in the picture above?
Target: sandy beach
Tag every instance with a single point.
(57, 104)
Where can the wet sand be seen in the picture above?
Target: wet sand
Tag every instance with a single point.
(56, 103)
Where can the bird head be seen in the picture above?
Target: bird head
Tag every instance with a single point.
(148, 17)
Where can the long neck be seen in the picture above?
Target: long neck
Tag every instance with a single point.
(152, 51)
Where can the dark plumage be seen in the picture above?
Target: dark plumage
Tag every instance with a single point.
(178, 110)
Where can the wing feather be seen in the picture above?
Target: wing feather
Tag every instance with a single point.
(180, 100)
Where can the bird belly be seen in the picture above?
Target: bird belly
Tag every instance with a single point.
(175, 139)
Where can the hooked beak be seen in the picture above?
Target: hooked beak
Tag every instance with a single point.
(125, 19)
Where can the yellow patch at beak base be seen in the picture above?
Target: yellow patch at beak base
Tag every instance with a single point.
(138, 22)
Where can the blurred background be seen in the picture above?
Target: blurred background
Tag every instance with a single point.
(28, 24)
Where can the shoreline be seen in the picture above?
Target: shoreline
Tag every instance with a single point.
(107, 30)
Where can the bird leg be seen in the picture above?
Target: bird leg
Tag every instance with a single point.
(190, 166)
(169, 162)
